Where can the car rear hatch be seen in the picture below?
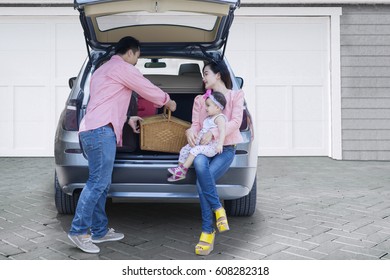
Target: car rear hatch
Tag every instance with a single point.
(170, 24)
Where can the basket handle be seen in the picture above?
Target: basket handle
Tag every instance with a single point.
(168, 112)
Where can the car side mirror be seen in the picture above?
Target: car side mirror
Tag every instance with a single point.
(240, 82)
(71, 82)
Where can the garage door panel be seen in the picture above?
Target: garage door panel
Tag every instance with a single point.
(41, 54)
(291, 34)
(68, 36)
(68, 40)
(308, 104)
(31, 115)
(24, 36)
(295, 64)
(65, 70)
(242, 63)
(30, 135)
(292, 86)
(7, 101)
(23, 65)
(31, 103)
(238, 36)
(308, 135)
(273, 139)
(6, 119)
(6, 128)
(273, 111)
(272, 104)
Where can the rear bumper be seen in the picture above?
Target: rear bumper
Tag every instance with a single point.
(146, 179)
(149, 183)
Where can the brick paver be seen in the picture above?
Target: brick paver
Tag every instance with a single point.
(308, 208)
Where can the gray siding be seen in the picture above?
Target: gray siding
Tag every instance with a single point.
(365, 82)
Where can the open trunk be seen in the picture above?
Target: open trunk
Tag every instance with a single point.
(157, 23)
(182, 88)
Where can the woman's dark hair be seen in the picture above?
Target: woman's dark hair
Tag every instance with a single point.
(221, 68)
(220, 97)
(127, 43)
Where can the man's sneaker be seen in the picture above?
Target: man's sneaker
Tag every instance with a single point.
(111, 235)
(84, 243)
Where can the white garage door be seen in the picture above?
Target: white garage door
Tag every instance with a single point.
(285, 62)
(38, 54)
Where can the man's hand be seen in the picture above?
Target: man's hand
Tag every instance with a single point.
(171, 105)
(133, 122)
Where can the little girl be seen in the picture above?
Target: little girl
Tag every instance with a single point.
(215, 103)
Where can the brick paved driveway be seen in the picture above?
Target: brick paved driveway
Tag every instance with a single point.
(308, 208)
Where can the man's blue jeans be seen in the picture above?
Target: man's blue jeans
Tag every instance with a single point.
(208, 171)
(100, 147)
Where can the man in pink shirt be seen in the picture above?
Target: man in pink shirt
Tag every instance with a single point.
(100, 131)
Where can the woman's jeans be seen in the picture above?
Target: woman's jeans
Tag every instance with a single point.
(100, 147)
(208, 171)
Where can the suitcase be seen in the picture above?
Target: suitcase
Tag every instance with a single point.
(145, 108)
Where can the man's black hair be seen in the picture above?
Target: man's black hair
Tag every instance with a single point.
(127, 43)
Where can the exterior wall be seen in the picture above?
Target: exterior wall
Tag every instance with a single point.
(365, 69)
(365, 82)
(256, 2)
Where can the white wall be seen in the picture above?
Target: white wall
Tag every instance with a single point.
(43, 51)
(38, 54)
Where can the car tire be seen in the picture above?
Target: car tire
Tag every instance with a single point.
(65, 204)
(244, 206)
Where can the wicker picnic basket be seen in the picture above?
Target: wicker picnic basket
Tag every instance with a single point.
(163, 133)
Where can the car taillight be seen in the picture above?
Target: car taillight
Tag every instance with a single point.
(244, 123)
(72, 110)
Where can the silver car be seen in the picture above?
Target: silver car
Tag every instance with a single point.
(177, 39)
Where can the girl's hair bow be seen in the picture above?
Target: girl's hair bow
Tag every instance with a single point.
(207, 94)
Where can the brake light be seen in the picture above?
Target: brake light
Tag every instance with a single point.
(71, 119)
(244, 123)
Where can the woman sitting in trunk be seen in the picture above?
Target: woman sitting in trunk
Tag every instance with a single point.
(216, 77)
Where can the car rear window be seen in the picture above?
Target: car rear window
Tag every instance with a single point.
(129, 19)
(172, 65)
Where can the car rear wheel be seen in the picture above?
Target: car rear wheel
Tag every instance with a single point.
(244, 206)
(65, 204)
